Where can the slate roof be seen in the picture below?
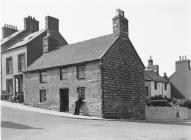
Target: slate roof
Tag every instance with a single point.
(153, 76)
(26, 39)
(11, 36)
(88, 50)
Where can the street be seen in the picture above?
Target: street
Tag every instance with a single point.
(26, 125)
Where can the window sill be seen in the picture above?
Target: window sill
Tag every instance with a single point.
(81, 79)
(9, 73)
(43, 82)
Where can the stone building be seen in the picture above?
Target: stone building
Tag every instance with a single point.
(181, 79)
(156, 85)
(19, 49)
(106, 72)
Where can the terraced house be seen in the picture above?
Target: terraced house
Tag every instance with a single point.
(106, 72)
(19, 49)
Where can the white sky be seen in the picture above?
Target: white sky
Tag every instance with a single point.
(161, 28)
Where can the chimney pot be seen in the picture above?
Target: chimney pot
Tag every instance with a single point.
(120, 12)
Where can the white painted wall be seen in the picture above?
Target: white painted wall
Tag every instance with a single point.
(14, 54)
(160, 89)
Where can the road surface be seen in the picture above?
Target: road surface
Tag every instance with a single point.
(26, 125)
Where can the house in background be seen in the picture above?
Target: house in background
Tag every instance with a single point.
(181, 79)
(156, 85)
(106, 72)
(19, 49)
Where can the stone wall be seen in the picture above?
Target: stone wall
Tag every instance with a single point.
(93, 101)
(167, 113)
(123, 81)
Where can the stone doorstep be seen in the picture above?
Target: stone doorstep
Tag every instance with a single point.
(45, 111)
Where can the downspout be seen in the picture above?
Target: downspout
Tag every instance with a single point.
(162, 89)
(101, 88)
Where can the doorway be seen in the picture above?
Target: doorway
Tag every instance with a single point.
(19, 88)
(64, 100)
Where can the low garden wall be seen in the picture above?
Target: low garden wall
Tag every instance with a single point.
(167, 113)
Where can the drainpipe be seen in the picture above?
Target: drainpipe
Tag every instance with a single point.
(162, 89)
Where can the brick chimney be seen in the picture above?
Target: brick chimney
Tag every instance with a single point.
(51, 23)
(120, 23)
(183, 64)
(49, 43)
(31, 24)
(8, 30)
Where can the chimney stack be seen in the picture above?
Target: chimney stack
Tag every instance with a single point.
(183, 64)
(152, 67)
(49, 43)
(165, 76)
(8, 30)
(120, 23)
(51, 23)
(150, 61)
(31, 24)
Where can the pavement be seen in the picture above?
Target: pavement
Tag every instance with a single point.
(45, 111)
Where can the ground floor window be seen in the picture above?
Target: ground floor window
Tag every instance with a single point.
(81, 92)
(9, 86)
(42, 95)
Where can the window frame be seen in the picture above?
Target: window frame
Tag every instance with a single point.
(61, 74)
(81, 68)
(19, 62)
(40, 77)
(42, 95)
(7, 59)
(155, 85)
(45, 45)
(81, 91)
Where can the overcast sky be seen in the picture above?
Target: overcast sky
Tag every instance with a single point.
(161, 28)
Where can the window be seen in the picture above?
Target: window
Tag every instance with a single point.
(21, 62)
(9, 65)
(9, 86)
(155, 85)
(42, 95)
(45, 45)
(165, 86)
(63, 74)
(81, 72)
(81, 92)
(43, 76)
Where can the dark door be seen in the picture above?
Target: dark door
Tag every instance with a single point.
(64, 100)
(147, 91)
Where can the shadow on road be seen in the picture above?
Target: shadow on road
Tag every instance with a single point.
(13, 125)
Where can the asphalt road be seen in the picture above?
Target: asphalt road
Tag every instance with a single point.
(25, 125)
